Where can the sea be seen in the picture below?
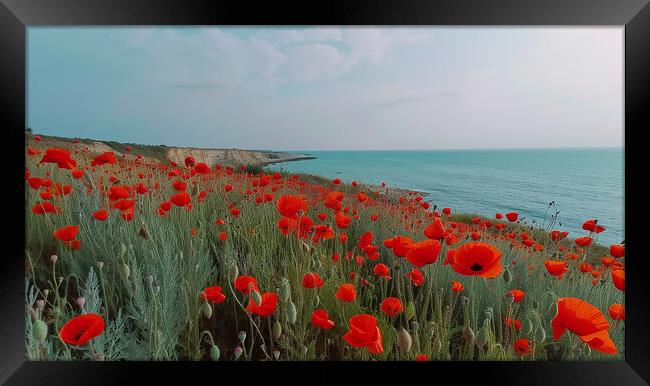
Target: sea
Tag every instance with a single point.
(583, 183)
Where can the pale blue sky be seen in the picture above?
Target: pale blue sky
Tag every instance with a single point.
(330, 88)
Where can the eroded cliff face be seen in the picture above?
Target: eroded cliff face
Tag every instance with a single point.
(232, 157)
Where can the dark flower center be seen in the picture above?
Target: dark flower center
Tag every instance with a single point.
(476, 267)
(79, 334)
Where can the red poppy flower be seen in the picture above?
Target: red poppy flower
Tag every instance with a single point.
(61, 157)
(401, 245)
(617, 311)
(423, 252)
(522, 346)
(584, 320)
(66, 233)
(189, 161)
(617, 250)
(556, 267)
(179, 185)
(45, 207)
(290, 206)
(346, 292)
(416, 277)
(312, 280)
(266, 308)
(457, 286)
(107, 157)
(342, 221)
(100, 215)
(477, 259)
(246, 284)
(82, 329)
(391, 306)
(180, 199)
(223, 236)
(583, 241)
(421, 358)
(435, 230)
(592, 226)
(212, 294)
(364, 333)
(202, 168)
(517, 295)
(319, 319)
(512, 216)
(381, 270)
(618, 278)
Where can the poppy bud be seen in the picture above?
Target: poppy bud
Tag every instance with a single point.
(540, 334)
(126, 271)
(292, 313)
(54, 258)
(535, 304)
(40, 304)
(414, 326)
(488, 314)
(468, 335)
(238, 350)
(206, 309)
(276, 354)
(39, 331)
(410, 310)
(215, 353)
(257, 298)
(507, 275)
(59, 279)
(100, 265)
(316, 301)
(277, 330)
(285, 290)
(404, 340)
(81, 301)
(233, 272)
(481, 337)
(120, 249)
(143, 233)
(242, 336)
(46, 292)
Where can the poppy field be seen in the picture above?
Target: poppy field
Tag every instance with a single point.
(134, 258)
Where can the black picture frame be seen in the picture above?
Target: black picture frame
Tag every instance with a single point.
(17, 15)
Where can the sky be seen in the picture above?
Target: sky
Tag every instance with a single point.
(329, 88)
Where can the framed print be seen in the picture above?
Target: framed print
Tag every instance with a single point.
(363, 187)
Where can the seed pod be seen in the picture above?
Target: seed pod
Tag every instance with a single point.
(39, 331)
(156, 289)
(233, 272)
(242, 336)
(481, 337)
(468, 335)
(215, 353)
(276, 354)
(277, 330)
(126, 271)
(144, 233)
(404, 341)
(206, 309)
(81, 301)
(46, 292)
(540, 334)
(100, 265)
(507, 276)
(285, 290)
(54, 258)
(257, 298)
(292, 313)
(415, 326)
